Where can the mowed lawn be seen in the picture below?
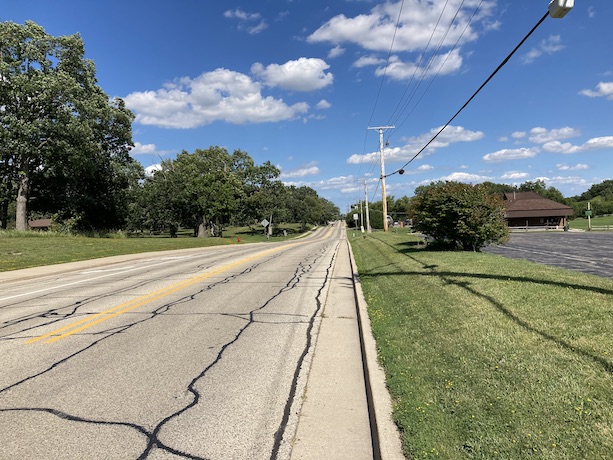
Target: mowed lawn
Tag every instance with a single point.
(489, 357)
(32, 249)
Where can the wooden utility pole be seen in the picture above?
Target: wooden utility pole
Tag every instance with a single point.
(383, 195)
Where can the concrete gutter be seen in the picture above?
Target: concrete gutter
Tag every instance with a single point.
(386, 437)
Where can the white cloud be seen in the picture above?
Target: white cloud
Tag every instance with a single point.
(519, 134)
(442, 64)
(450, 135)
(369, 60)
(542, 135)
(150, 170)
(511, 154)
(411, 31)
(374, 31)
(603, 89)
(222, 95)
(142, 149)
(464, 177)
(596, 143)
(550, 45)
(245, 18)
(577, 167)
(343, 184)
(591, 11)
(336, 52)
(310, 169)
(304, 74)
(514, 175)
(323, 104)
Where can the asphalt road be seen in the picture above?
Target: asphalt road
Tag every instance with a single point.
(587, 252)
(196, 355)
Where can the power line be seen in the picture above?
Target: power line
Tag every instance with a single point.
(440, 68)
(502, 64)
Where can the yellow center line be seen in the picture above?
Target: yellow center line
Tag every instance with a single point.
(105, 315)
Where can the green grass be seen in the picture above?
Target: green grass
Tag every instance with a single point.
(489, 357)
(582, 223)
(31, 249)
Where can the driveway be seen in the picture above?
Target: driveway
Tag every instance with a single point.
(587, 252)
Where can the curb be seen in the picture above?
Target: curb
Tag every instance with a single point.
(385, 434)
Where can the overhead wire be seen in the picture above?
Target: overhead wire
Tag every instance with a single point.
(421, 58)
(425, 70)
(399, 125)
(500, 66)
(389, 54)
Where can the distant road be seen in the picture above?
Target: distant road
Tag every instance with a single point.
(587, 252)
(194, 356)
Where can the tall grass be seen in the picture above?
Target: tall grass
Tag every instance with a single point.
(490, 358)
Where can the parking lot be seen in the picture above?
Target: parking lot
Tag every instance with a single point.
(587, 252)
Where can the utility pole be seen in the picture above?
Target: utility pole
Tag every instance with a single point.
(361, 217)
(368, 229)
(383, 195)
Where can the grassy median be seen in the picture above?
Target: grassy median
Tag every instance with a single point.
(489, 357)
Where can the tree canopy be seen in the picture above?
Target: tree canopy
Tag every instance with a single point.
(208, 189)
(63, 144)
(462, 216)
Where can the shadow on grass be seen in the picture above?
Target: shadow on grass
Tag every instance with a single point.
(448, 277)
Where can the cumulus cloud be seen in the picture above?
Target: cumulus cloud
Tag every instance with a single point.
(603, 89)
(220, 95)
(550, 45)
(376, 30)
(411, 32)
(450, 135)
(596, 143)
(304, 74)
(310, 169)
(541, 135)
(323, 104)
(443, 64)
(512, 154)
(142, 149)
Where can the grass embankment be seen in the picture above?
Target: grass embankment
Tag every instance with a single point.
(600, 221)
(489, 357)
(31, 249)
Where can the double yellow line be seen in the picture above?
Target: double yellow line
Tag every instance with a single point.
(105, 315)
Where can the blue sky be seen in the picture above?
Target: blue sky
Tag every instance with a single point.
(298, 82)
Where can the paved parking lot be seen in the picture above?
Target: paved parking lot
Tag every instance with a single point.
(587, 252)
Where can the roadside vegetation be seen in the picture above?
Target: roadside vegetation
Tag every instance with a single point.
(489, 357)
(582, 224)
(20, 249)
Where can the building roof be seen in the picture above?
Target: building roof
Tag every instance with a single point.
(531, 204)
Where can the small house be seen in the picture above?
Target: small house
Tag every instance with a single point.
(529, 209)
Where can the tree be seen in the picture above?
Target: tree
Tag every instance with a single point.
(53, 119)
(541, 188)
(462, 216)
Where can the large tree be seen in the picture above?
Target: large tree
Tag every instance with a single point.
(57, 124)
(463, 216)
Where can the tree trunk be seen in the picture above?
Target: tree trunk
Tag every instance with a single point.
(201, 227)
(4, 214)
(23, 192)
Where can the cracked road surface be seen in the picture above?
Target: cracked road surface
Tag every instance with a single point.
(201, 355)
